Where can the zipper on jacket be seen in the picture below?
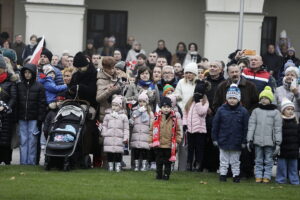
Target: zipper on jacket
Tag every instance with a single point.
(27, 93)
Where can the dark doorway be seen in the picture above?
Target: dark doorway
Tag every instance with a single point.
(106, 23)
(268, 33)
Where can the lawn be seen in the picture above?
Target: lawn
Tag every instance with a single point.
(27, 182)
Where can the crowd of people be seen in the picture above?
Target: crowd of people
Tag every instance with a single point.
(235, 119)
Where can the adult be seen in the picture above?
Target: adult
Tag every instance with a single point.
(96, 60)
(64, 61)
(272, 61)
(151, 61)
(258, 75)
(90, 49)
(130, 40)
(55, 60)
(156, 74)
(243, 63)
(19, 47)
(144, 82)
(136, 50)
(168, 77)
(67, 75)
(162, 51)
(117, 55)
(70, 61)
(178, 70)
(161, 61)
(141, 62)
(192, 55)
(108, 48)
(290, 89)
(29, 49)
(180, 54)
(291, 55)
(8, 97)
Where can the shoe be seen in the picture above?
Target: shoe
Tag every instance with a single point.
(266, 180)
(153, 166)
(118, 167)
(223, 178)
(158, 176)
(166, 177)
(144, 166)
(258, 180)
(189, 167)
(236, 179)
(136, 165)
(110, 166)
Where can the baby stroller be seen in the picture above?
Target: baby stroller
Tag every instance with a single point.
(64, 146)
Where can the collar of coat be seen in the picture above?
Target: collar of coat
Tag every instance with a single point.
(242, 82)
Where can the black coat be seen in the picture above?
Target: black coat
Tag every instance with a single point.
(165, 53)
(31, 101)
(273, 63)
(214, 85)
(8, 95)
(87, 85)
(290, 139)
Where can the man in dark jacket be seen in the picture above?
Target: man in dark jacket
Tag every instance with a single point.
(31, 105)
(19, 47)
(162, 51)
(272, 61)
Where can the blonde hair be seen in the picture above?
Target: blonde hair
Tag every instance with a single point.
(68, 69)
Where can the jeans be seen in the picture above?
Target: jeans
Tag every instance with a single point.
(232, 158)
(287, 168)
(28, 132)
(263, 161)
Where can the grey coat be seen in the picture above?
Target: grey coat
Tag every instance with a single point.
(282, 91)
(265, 127)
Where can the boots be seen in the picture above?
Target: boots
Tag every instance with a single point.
(144, 165)
(110, 166)
(118, 167)
(189, 166)
(136, 165)
(223, 178)
(236, 179)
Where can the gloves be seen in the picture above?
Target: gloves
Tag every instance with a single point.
(250, 146)
(277, 151)
(198, 97)
(243, 146)
(215, 143)
(185, 128)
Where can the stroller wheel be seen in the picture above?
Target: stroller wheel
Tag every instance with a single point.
(87, 162)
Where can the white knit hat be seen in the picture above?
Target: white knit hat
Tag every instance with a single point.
(286, 103)
(143, 97)
(118, 99)
(191, 67)
(292, 69)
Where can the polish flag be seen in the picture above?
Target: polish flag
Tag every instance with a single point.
(37, 52)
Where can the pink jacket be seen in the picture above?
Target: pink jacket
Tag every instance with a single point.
(195, 118)
(115, 131)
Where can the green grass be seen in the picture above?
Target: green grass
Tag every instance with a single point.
(27, 182)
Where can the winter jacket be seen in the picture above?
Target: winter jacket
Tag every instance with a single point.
(164, 53)
(140, 131)
(165, 139)
(131, 56)
(31, 101)
(249, 94)
(273, 62)
(28, 51)
(265, 126)
(214, 85)
(289, 147)
(51, 88)
(8, 95)
(115, 131)
(184, 91)
(261, 78)
(282, 92)
(195, 118)
(104, 96)
(19, 48)
(58, 76)
(229, 127)
(87, 87)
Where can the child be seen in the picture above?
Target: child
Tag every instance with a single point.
(115, 132)
(194, 123)
(229, 132)
(164, 134)
(142, 118)
(50, 86)
(264, 131)
(31, 109)
(287, 164)
(167, 90)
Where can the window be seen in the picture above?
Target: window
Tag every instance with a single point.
(268, 33)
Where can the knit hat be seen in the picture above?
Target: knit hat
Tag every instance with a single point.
(167, 88)
(2, 62)
(233, 91)
(286, 103)
(10, 53)
(47, 53)
(143, 97)
(283, 34)
(80, 60)
(191, 67)
(108, 62)
(47, 69)
(165, 101)
(173, 99)
(288, 64)
(118, 99)
(292, 49)
(120, 65)
(267, 92)
(292, 69)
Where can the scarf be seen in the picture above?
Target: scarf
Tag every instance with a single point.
(3, 77)
(148, 84)
(156, 133)
(141, 111)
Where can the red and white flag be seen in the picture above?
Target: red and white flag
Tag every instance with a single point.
(37, 52)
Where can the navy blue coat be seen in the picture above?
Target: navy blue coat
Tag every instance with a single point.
(230, 126)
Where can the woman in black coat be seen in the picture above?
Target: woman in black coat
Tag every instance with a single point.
(8, 95)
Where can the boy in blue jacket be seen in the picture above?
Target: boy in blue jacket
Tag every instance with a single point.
(229, 132)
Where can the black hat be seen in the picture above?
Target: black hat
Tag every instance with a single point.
(80, 60)
(47, 53)
(165, 101)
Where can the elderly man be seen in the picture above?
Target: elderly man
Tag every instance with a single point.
(168, 77)
(258, 75)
